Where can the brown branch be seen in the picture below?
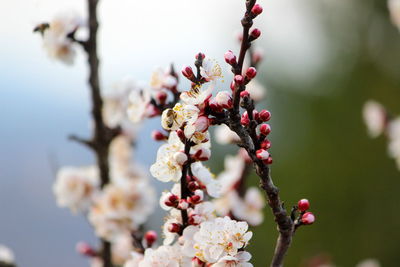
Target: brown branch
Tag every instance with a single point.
(184, 187)
(250, 142)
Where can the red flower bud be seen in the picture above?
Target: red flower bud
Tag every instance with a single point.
(244, 94)
(230, 58)
(174, 228)
(239, 80)
(194, 199)
(196, 262)
(251, 73)
(255, 33)
(308, 218)
(158, 135)
(265, 129)
(257, 10)
(187, 72)
(265, 115)
(244, 120)
(266, 144)
(268, 160)
(85, 249)
(150, 237)
(161, 97)
(303, 204)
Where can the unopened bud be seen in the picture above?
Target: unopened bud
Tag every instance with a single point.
(251, 73)
(266, 144)
(158, 135)
(265, 115)
(303, 204)
(255, 33)
(201, 55)
(161, 97)
(268, 161)
(244, 120)
(265, 129)
(244, 94)
(239, 79)
(230, 58)
(183, 204)
(308, 218)
(202, 154)
(262, 154)
(257, 9)
(174, 228)
(85, 249)
(150, 237)
(196, 262)
(187, 72)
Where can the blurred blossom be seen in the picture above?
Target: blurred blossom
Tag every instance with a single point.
(369, 263)
(6, 255)
(374, 115)
(394, 9)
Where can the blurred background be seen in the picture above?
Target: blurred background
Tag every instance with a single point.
(323, 60)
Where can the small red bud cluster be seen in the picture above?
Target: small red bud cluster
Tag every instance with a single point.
(305, 216)
(150, 237)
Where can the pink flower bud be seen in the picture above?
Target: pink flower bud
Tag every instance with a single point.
(262, 154)
(224, 99)
(174, 228)
(180, 158)
(158, 135)
(257, 10)
(187, 72)
(251, 73)
(161, 97)
(255, 33)
(183, 204)
(85, 249)
(202, 154)
(308, 218)
(230, 58)
(255, 114)
(244, 94)
(200, 54)
(266, 144)
(196, 262)
(265, 115)
(202, 123)
(257, 56)
(303, 204)
(150, 237)
(244, 120)
(239, 80)
(265, 129)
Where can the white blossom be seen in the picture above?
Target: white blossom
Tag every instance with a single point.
(134, 260)
(369, 263)
(224, 135)
(210, 70)
(219, 238)
(233, 171)
(120, 209)
(239, 260)
(166, 168)
(256, 90)
(394, 9)
(205, 177)
(139, 104)
(55, 39)
(250, 208)
(121, 249)
(164, 256)
(197, 95)
(162, 79)
(374, 115)
(75, 187)
(6, 255)
(202, 212)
